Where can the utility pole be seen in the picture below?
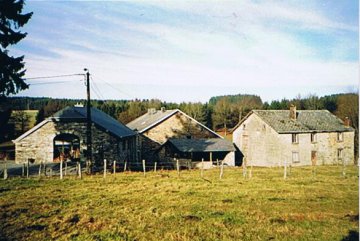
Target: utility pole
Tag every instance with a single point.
(89, 163)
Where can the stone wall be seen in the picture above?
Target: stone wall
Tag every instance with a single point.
(263, 146)
(176, 126)
(39, 145)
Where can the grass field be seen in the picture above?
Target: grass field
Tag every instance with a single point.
(163, 206)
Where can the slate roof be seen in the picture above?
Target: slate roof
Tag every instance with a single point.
(148, 120)
(202, 145)
(151, 119)
(74, 114)
(98, 117)
(306, 121)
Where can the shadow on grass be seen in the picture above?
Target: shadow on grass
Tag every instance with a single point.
(352, 236)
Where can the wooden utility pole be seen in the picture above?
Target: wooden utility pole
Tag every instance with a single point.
(88, 124)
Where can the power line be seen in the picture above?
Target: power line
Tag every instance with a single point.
(53, 76)
(115, 88)
(54, 82)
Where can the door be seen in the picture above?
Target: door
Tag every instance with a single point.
(313, 158)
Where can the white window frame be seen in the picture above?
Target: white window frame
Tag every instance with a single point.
(295, 138)
(340, 136)
(340, 154)
(313, 137)
(295, 157)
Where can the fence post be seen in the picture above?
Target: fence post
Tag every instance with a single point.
(250, 172)
(40, 169)
(144, 167)
(285, 171)
(61, 169)
(79, 170)
(5, 172)
(104, 168)
(344, 168)
(178, 167)
(202, 168)
(217, 162)
(114, 166)
(51, 172)
(222, 169)
(244, 167)
(27, 169)
(23, 170)
(125, 166)
(155, 165)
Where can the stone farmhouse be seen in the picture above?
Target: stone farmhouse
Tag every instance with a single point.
(63, 135)
(303, 137)
(156, 127)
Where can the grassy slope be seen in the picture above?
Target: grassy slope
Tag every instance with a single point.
(165, 207)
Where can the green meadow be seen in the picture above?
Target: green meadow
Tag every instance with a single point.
(165, 206)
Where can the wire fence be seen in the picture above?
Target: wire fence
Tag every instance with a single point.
(10, 169)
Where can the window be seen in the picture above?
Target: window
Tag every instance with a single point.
(295, 157)
(340, 136)
(340, 154)
(294, 138)
(313, 137)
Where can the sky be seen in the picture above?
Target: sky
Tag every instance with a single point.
(191, 50)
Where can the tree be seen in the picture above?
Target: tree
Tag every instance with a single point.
(11, 68)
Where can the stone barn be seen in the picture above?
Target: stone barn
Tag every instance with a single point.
(303, 137)
(157, 126)
(191, 152)
(63, 135)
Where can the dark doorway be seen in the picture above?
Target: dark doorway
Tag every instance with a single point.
(66, 147)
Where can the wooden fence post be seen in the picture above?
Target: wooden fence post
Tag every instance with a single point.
(244, 167)
(27, 169)
(5, 172)
(178, 167)
(23, 170)
(155, 165)
(217, 162)
(250, 172)
(104, 168)
(114, 172)
(40, 169)
(79, 170)
(202, 168)
(344, 168)
(144, 167)
(125, 166)
(65, 169)
(51, 172)
(285, 171)
(221, 169)
(61, 169)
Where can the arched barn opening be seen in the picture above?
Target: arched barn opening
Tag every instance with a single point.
(66, 147)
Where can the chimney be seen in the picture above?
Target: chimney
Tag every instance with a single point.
(162, 109)
(292, 112)
(151, 111)
(347, 122)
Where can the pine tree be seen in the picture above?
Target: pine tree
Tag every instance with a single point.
(11, 68)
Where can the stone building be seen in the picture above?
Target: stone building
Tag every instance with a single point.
(63, 135)
(304, 137)
(157, 126)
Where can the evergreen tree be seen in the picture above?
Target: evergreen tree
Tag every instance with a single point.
(11, 68)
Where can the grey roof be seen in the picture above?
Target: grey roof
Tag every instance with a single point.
(202, 145)
(98, 117)
(306, 121)
(150, 119)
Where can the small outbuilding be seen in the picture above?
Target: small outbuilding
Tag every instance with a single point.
(191, 152)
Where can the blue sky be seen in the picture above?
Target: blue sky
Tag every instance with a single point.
(192, 50)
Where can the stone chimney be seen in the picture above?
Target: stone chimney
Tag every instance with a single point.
(292, 112)
(347, 122)
(151, 111)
